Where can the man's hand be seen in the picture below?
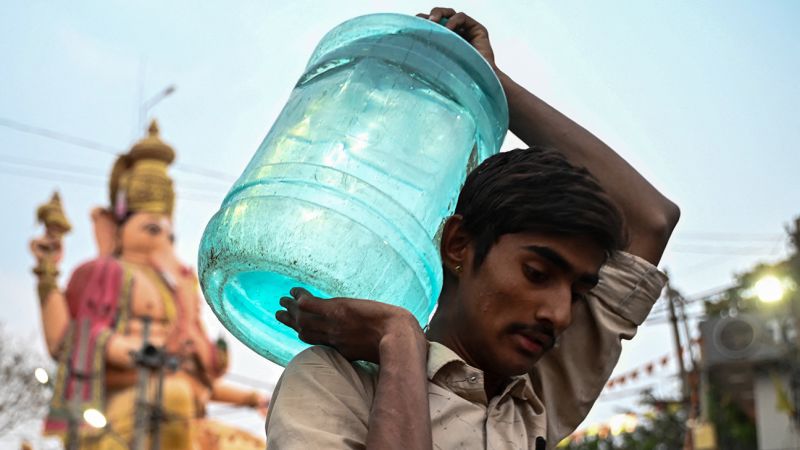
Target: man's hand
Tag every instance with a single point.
(358, 329)
(383, 334)
(466, 27)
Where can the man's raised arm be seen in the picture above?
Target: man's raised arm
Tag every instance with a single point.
(649, 216)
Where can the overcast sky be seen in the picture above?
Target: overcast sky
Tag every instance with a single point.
(701, 97)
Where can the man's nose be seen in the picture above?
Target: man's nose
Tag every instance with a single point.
(557, 308)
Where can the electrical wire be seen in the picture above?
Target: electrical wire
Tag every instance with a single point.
(717, 250)
(92, 171)
(106, 149)
(71, 179)
(726, 236)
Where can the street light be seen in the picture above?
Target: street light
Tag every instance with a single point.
(152, 101)
(770, 289)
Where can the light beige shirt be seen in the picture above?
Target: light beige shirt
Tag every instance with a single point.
(322, 401)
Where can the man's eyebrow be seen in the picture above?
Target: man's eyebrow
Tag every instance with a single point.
(550, 255)
(556, 258)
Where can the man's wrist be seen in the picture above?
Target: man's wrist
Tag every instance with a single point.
(509, 85)
(403, 339)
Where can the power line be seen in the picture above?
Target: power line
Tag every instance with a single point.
(91, 171)
(61, 137)
(73, 179)
(105, 148)
(666, 319)
(727, 236)
(720, 250)
(700, 296)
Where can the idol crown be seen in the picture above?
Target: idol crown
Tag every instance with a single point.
(139, 180)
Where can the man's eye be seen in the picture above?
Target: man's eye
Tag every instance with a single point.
(535, 275)
(578, 297)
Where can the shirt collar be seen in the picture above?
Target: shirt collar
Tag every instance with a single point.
(441, 357)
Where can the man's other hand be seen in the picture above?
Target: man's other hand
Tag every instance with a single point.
(466, 27)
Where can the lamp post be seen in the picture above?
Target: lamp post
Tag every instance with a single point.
(148, 104)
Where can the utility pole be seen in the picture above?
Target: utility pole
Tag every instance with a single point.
(794, 307)
(672, 296)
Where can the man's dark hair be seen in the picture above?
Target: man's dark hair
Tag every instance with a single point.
(536, 190)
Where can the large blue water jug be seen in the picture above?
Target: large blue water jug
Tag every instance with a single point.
(348, 191)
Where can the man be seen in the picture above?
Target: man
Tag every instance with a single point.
(547, 267)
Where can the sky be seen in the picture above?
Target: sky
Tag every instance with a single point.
(701, 97)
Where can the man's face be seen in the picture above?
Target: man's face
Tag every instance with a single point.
(510, 310)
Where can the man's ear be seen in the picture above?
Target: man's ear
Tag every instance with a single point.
(455, 247)
(105, 231)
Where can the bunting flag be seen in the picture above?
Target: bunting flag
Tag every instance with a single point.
(648, 369)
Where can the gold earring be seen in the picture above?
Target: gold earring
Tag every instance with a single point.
(458, 268)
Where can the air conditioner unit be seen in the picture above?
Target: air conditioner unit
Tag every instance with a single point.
(744, 338)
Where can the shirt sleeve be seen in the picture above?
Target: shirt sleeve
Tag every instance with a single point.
(570, 377)
(322, 401)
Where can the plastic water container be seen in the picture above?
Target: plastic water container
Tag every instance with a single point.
(347, 194)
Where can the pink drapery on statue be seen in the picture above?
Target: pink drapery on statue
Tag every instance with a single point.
(93, 297)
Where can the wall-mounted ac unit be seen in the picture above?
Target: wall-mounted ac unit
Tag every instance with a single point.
(742, 338)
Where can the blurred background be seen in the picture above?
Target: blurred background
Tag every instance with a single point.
(702, 98)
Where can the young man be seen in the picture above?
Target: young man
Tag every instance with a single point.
(547, 267)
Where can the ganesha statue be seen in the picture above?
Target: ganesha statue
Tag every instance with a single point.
(126, 332)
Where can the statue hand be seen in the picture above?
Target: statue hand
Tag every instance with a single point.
(46, 249)
(263, 405)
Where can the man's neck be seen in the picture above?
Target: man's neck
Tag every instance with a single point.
(439, 331)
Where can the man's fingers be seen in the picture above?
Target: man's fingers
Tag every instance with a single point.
(423, 15)
(290, 304)
(285, 318)
(298, 292)
(311, 328)
(437, 14)
(308, 302)
(456, 21)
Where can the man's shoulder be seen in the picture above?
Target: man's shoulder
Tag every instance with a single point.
(319, 360)
(322, 400)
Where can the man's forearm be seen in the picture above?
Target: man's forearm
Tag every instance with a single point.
(650, 217)
(400, 415)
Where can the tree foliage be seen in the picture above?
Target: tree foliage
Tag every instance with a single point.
(22, 397)
(662, 428)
